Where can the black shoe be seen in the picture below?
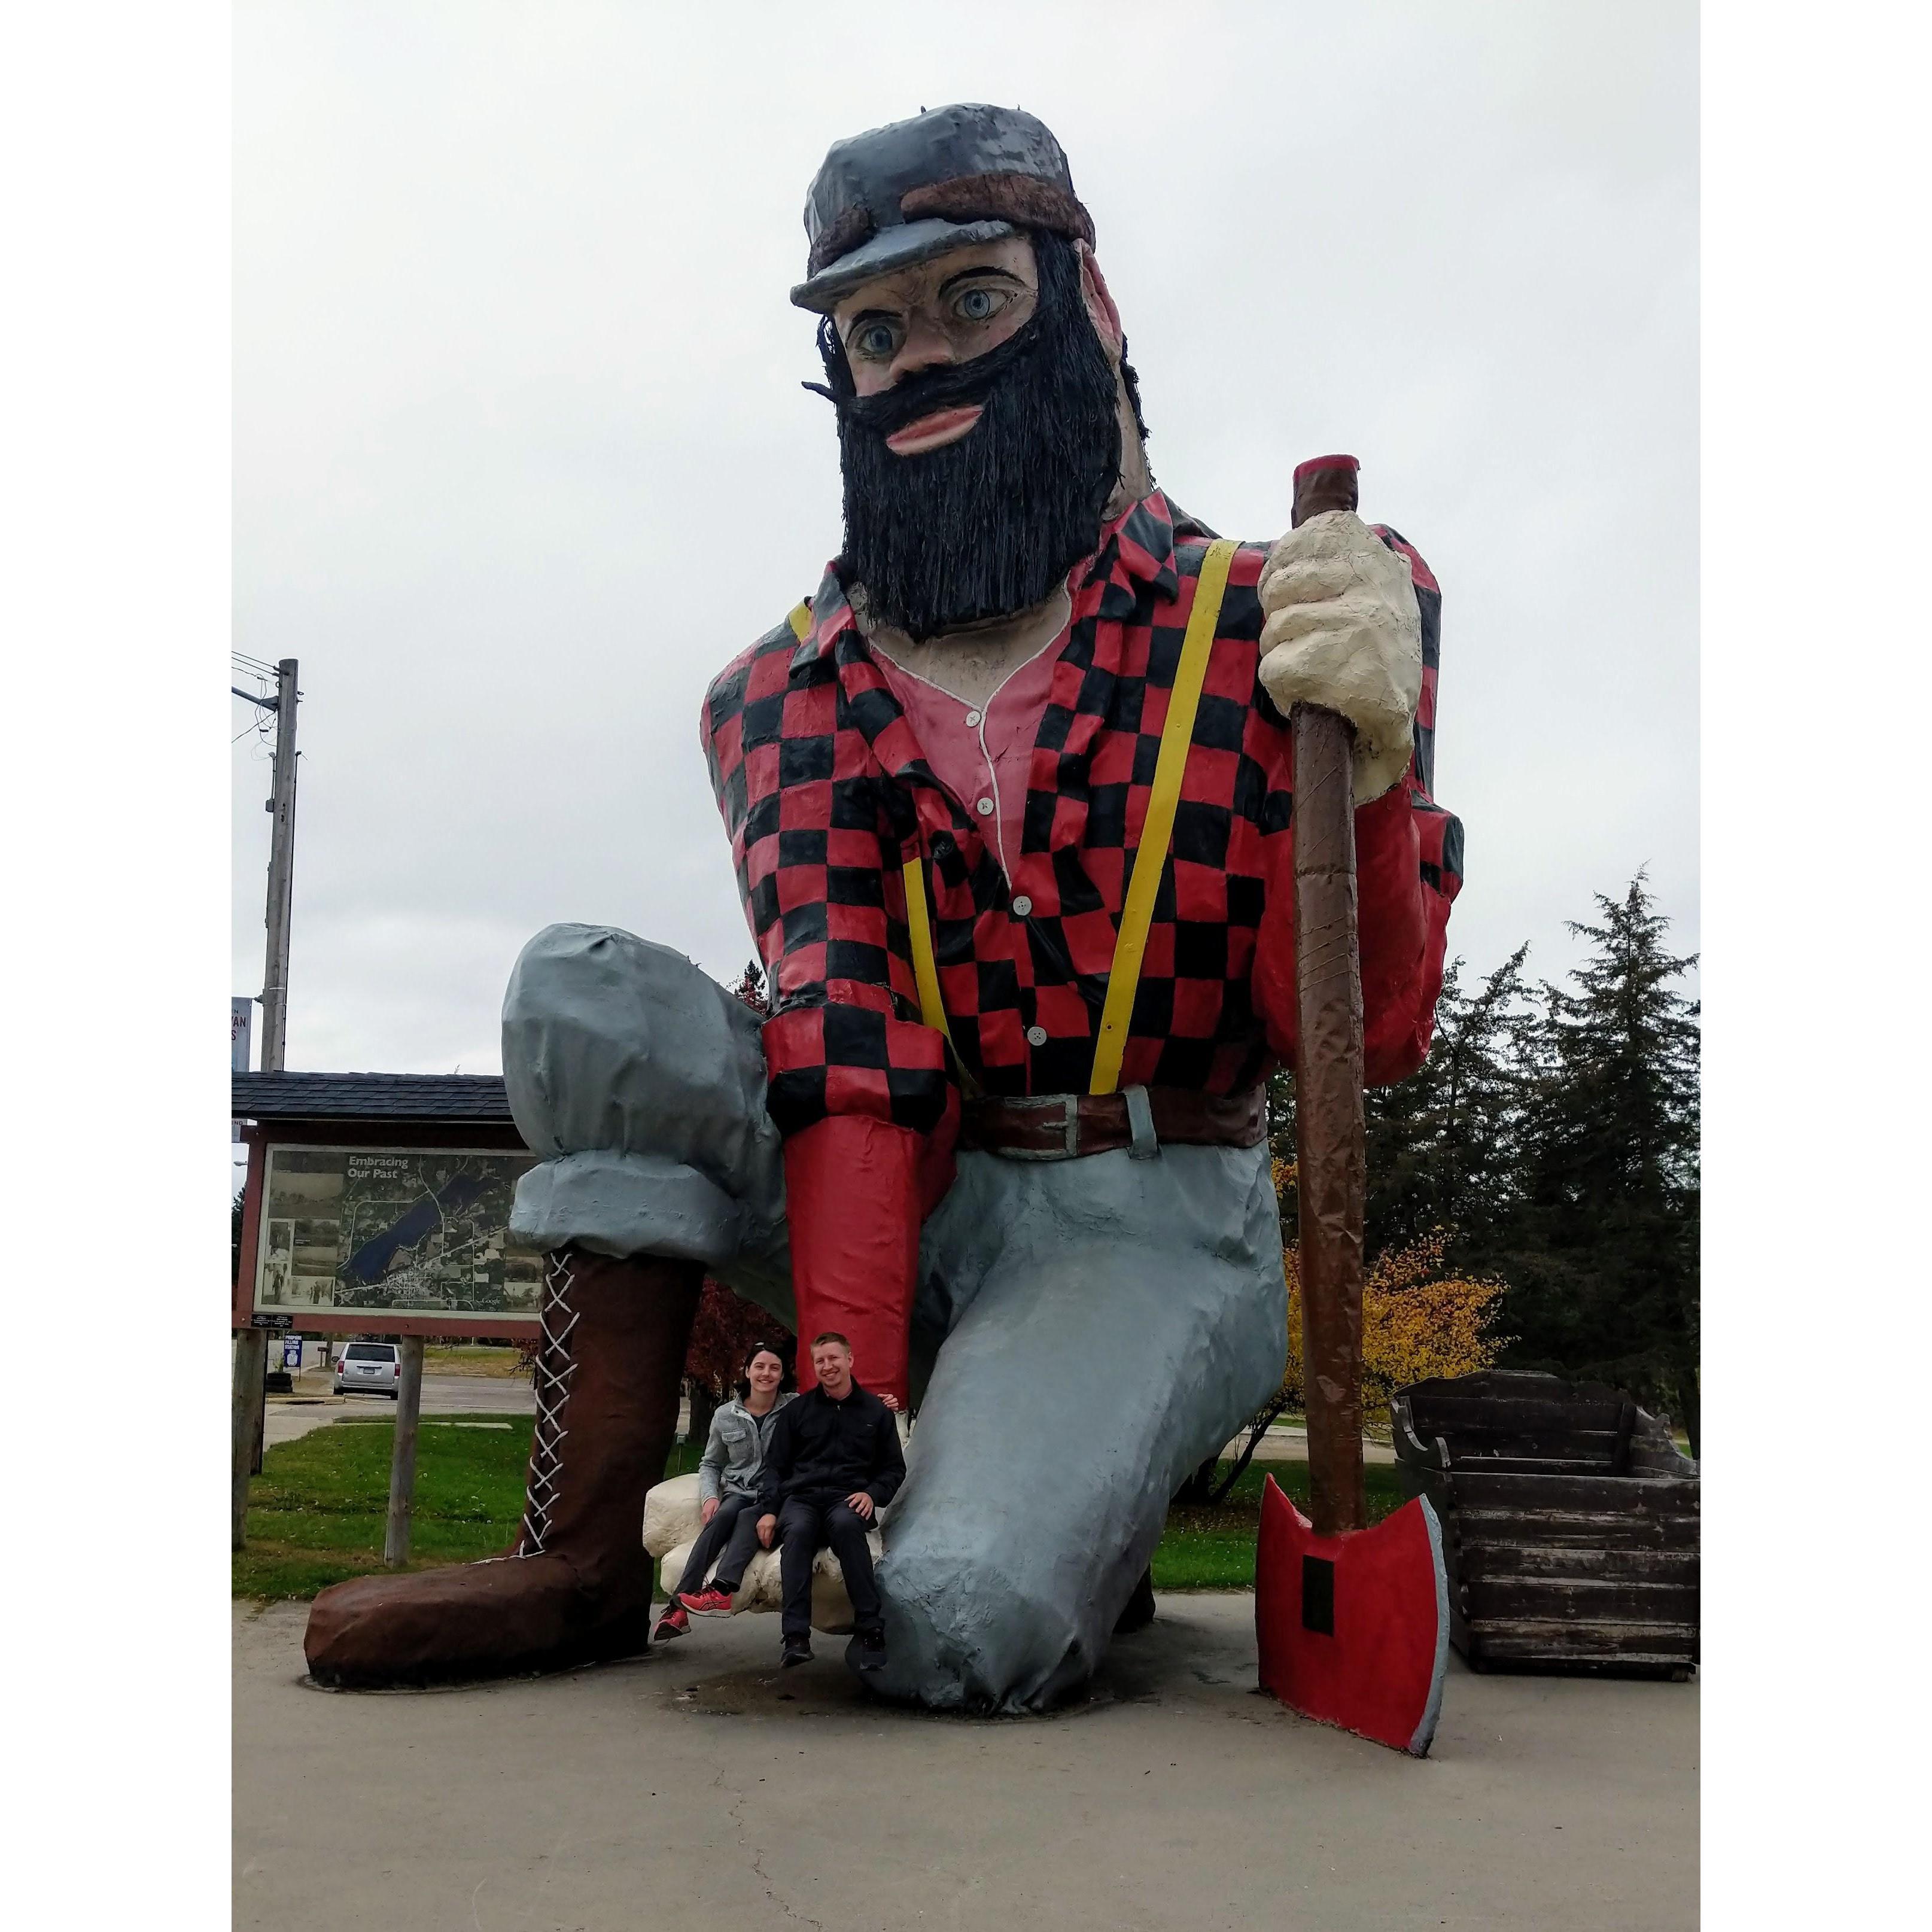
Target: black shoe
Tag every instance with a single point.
(872, 1649)
(797, 1650)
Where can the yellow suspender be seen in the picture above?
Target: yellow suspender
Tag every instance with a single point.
(1176, 735)
(924, 965)
(919, 917)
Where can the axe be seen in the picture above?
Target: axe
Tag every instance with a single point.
(1352, 1623)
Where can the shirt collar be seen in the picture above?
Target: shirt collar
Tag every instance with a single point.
(1137, 547)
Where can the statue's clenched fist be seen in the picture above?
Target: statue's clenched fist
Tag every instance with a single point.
(1343, 630)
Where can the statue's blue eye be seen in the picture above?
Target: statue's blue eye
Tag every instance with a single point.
(876, 339)
(979, 304)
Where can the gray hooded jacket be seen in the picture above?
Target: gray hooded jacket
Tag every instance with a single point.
(735, 1450)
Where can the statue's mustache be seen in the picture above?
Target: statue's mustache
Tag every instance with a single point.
(949, 386)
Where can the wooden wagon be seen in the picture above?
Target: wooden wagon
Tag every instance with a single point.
(1570, 1522)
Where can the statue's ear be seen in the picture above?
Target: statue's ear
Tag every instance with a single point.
(1100, 302)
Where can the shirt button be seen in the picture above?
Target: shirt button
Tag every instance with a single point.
(1022, 907)
(973, 717)
(984, 807)
(1036, 1035)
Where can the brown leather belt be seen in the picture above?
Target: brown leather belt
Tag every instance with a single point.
(1063, 1126)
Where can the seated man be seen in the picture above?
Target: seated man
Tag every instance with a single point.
(833, 1460)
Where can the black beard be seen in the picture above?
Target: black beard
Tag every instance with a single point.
(991, 524)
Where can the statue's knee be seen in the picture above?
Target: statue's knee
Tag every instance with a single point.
(601, 985)
(612, 1041)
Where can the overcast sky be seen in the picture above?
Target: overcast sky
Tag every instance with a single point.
(522, 459)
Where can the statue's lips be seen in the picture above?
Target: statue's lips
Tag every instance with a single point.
(933, 432)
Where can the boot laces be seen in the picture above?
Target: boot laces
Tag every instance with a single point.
(551, 1382)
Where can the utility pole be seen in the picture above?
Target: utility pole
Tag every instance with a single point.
(251, 1344)
(281, 873)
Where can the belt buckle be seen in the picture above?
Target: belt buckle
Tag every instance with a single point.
(1068, 1126)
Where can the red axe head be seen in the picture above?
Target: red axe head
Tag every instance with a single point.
(1354, 1629)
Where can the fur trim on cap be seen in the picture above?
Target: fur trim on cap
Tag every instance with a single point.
(853, 226)
(1025, 200)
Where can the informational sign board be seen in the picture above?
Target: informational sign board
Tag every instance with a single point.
(292, 1354)
(376, 1231)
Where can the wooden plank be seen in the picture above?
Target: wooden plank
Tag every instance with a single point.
(1580, 1599)
(1448, 1415)
(1520, 1524)
(1674, 1665)
(1580, 1561)
(1498, 1463)
(403, 1458)
(1479, 1489)
(1536, 1637)
(1529, 1439)
(251, 1354)
(1488, 1531)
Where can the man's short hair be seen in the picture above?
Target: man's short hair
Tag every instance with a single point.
(831, 1335)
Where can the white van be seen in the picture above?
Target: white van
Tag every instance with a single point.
(370, 1368)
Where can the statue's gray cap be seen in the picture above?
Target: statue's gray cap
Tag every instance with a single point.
(856, 228)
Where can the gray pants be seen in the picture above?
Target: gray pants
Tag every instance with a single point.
(734, 1530)
(1085, 1332)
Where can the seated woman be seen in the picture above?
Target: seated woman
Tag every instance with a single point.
(727, 1481)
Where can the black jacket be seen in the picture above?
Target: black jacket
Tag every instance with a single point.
(817, 1446)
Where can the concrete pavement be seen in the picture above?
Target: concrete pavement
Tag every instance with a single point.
(701, 1786)
(1287, 1442)
(285, 1417)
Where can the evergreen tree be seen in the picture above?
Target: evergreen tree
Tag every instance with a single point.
(1552, 1138)
(1598, 1238)
(1439, 1144)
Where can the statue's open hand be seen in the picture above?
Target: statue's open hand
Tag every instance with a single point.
(1342, 630)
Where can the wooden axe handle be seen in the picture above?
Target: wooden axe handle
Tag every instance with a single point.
(1331, 1181)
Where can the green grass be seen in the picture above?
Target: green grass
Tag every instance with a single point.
(315, 1512)
(1214, 1549)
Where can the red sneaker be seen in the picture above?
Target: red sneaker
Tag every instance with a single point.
(673, 1623)
(707, 1604)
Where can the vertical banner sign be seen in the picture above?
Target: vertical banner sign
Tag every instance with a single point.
(240, 1028)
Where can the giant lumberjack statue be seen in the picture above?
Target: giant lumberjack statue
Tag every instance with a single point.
(1009, 799)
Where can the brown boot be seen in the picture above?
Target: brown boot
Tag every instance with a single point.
(577, 1587)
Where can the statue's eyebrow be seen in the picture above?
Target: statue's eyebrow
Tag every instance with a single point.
(979, 274)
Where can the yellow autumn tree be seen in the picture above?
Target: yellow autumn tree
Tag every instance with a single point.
(1418, 1319)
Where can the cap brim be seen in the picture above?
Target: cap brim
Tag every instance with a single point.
(895, 247)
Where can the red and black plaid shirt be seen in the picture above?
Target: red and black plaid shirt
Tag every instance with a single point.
(826, 793)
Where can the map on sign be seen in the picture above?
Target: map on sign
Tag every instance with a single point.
(414, 1231)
